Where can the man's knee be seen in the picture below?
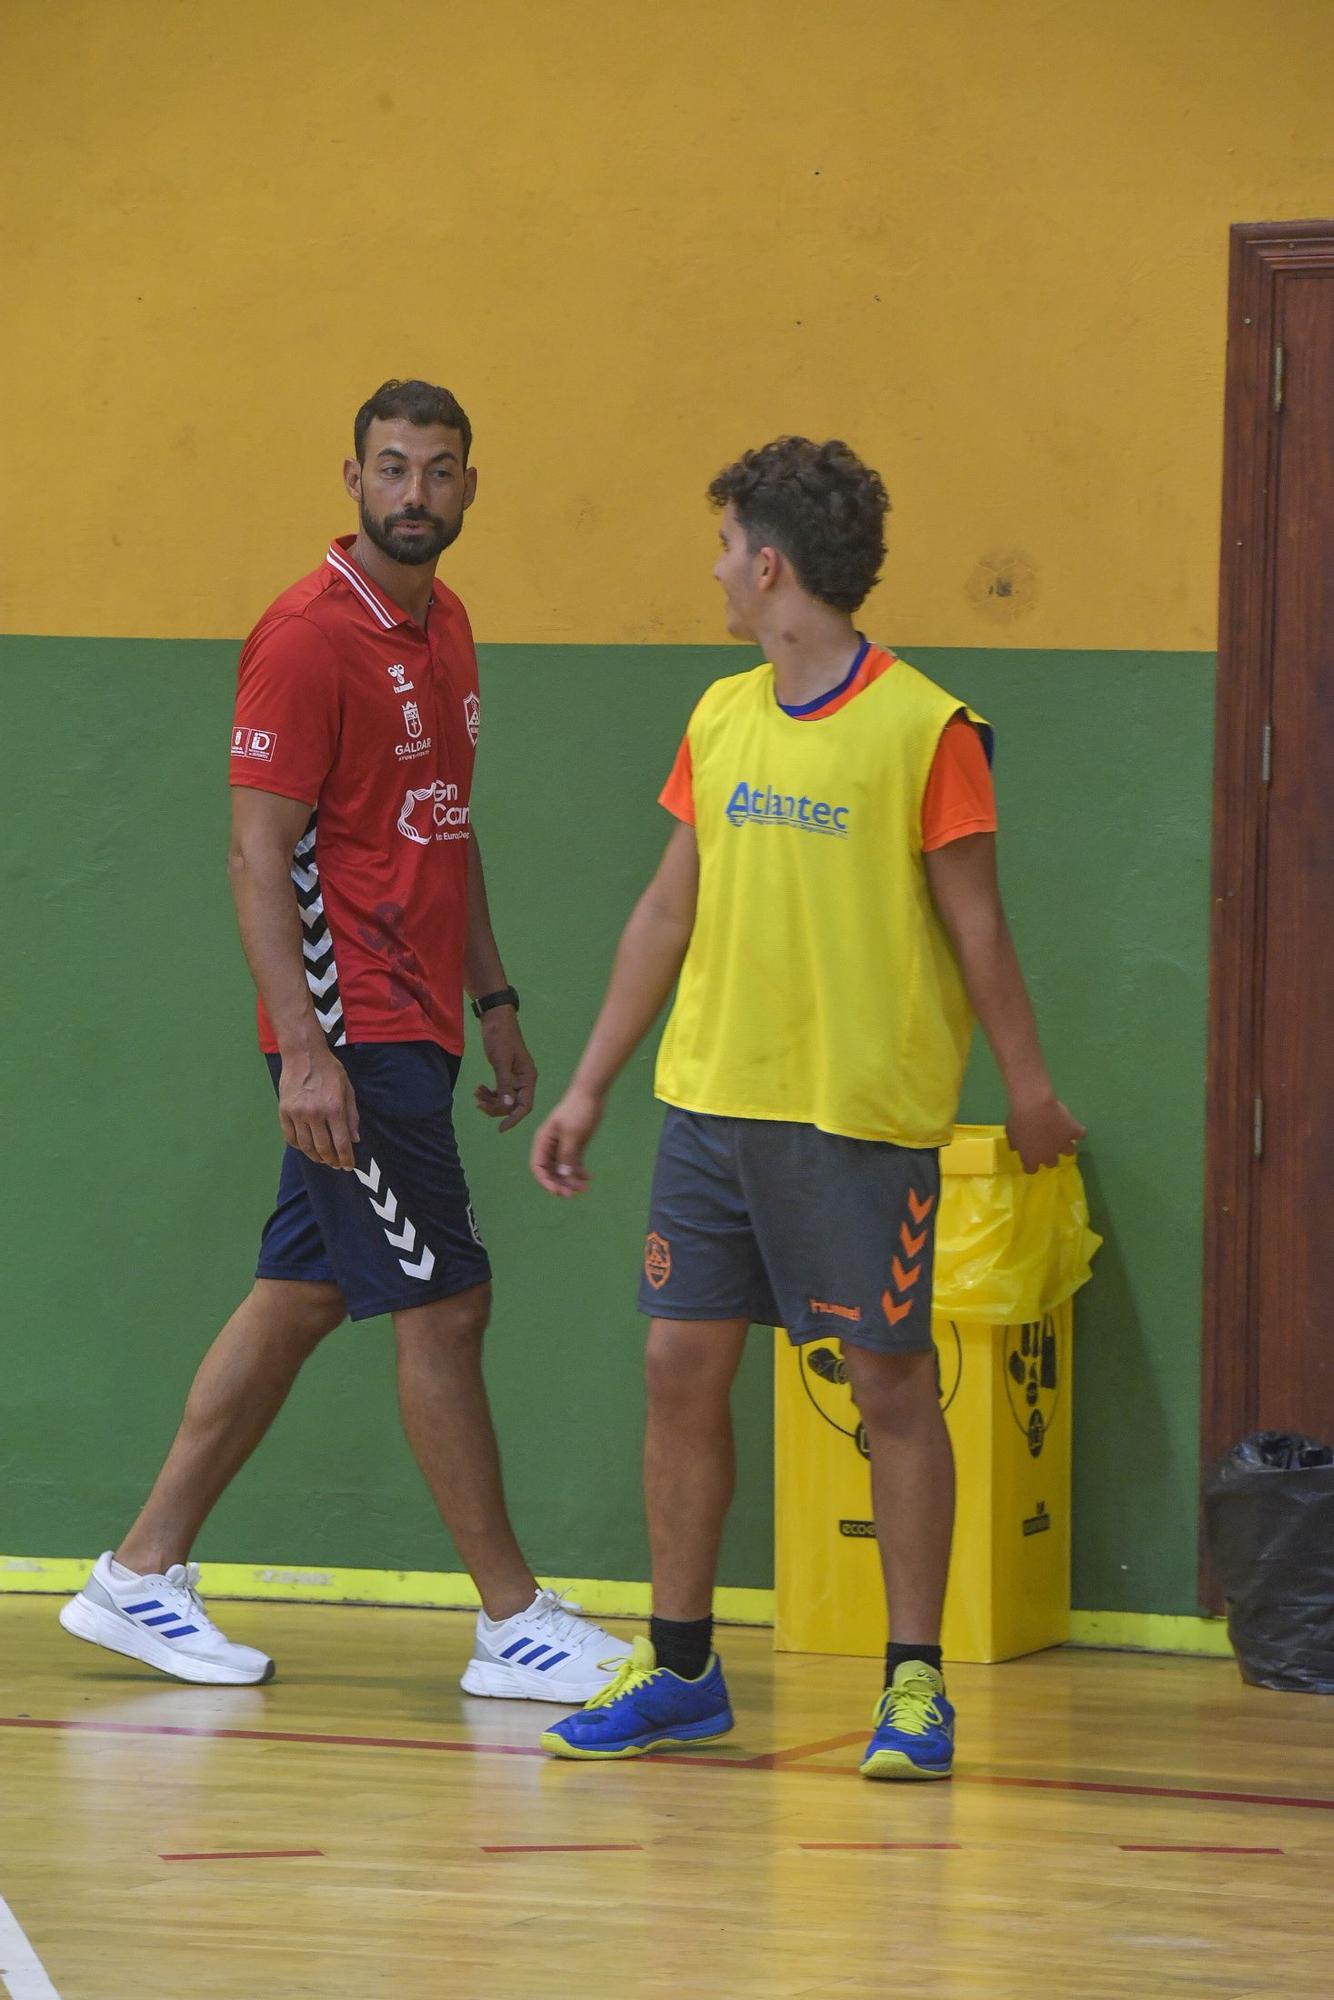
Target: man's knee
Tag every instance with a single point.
(894, 1393)
(300, 1314)
(456, 1323)
(683, 1379)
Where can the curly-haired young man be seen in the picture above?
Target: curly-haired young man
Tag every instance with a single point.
(829, 902)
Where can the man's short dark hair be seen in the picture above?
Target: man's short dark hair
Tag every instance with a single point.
(421, 403)
(819, 506)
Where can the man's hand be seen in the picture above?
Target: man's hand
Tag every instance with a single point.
(1041, 1131)
(557, 1158)
(317, 1108)
(515, 1070)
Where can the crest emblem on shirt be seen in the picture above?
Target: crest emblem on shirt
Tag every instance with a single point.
(472, 715)
(412, 718)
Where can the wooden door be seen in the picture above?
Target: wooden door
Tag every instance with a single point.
(1269, 1229)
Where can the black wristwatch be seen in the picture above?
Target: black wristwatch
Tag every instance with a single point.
(506, 997)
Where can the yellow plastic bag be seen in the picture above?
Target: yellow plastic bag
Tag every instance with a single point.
(1010, 1246)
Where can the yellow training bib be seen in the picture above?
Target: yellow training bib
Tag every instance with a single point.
(819, 985)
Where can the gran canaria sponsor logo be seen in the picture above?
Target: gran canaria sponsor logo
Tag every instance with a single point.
(765, 805)
(434, 812)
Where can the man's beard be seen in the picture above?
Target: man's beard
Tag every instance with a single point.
(400, 548)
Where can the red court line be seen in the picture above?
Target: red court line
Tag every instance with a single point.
(1097, 1785)
(251, 1854)
(1152, 1792)
(698, 1759)
(770, 1760)
(573, 1847)
(1181, 1847)
(315, 1737)
(882, 1846)
(270, 1736)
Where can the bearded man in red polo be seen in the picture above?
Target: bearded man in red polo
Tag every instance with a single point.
(362, 909)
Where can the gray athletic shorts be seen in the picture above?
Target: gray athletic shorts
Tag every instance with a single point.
(785, 1225)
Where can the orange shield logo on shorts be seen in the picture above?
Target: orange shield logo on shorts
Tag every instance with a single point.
(657, 1259)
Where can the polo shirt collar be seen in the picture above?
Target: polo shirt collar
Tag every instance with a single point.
(382, 609)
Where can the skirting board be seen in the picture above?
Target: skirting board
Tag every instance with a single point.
(441, 1590)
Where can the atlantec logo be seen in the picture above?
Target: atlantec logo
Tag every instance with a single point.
(761, 805)
(434, 813)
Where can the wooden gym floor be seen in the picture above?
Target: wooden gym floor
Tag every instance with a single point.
(1120, 1825)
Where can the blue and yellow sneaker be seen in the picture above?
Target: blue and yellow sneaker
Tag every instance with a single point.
(914, 1727)
(644, 1707)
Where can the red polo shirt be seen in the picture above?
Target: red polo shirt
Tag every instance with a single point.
(370, 720)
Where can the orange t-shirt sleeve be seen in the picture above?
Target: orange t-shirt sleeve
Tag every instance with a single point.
(678, 794)
(959, 798)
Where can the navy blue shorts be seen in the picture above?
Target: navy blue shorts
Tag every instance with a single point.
(400, 1231)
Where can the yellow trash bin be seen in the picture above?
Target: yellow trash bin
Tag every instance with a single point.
(1011, 1251)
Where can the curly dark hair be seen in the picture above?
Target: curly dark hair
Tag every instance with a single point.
(421, 403)
(818, 505)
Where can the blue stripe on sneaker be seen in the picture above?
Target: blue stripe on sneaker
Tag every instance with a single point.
(180, 1631)
(163, 1618)
(517, 1647)
(528, 1659)
(554, 1661)
(149, 1604)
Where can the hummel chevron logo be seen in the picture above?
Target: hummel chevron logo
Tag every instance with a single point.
(898, 1301)
(317, 945)
(386, 1207)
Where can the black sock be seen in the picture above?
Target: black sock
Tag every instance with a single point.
(682, 1645)
(896, 1655)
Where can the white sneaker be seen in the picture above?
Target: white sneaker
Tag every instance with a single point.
(160, 1620)
(546, 1653)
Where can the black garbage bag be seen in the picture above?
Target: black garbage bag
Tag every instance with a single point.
(1269, 1517)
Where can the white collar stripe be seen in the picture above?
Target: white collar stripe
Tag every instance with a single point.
(338, 561)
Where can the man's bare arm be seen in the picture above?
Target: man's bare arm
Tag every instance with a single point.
(511, 1098)
(648, 959)
(483, 971)
(966, 891)
(316, 1105)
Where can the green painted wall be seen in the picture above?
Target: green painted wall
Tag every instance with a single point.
(143, 1150)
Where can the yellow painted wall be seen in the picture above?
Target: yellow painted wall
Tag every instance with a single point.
(986, 242)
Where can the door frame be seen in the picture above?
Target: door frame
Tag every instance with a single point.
(1261, 255)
